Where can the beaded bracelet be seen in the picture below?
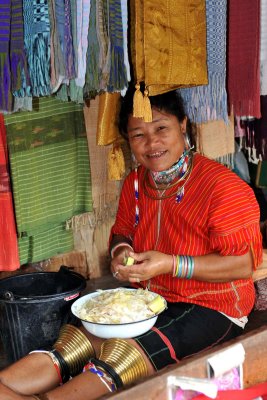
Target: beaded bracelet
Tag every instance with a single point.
(107, 368)
(108, 382)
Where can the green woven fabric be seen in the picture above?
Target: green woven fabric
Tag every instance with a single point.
(50, 172)
(44, 245)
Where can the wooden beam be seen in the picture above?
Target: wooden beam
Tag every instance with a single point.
(255, 368)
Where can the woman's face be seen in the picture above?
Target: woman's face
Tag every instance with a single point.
(157, 145)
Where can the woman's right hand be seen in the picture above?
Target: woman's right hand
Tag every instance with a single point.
(118, 261)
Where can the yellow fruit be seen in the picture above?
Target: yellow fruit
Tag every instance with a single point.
(129, 261)
(157, 304)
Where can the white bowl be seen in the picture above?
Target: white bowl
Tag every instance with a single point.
(108, 331)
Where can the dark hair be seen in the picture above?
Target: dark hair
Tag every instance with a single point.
(171, 102)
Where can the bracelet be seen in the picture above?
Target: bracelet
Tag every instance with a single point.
(184, 267)
(107, 368)
(173, 266)
(112, 251)
(108, 382)
(54, 360)
(64, 368)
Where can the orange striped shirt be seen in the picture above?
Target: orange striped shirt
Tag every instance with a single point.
(218, 213)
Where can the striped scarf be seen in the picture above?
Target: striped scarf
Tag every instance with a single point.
(37, 44)
(19, 74)
(92, 76)
(118, 74)
(5, 74)
(209, 102)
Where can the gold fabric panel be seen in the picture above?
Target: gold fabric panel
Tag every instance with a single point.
(107, 129)
(170, 44)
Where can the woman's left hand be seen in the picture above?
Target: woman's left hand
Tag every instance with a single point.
(147, 265)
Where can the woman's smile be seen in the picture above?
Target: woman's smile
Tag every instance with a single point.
(158, 144)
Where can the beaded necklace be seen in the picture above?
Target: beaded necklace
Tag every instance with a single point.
(181, 171)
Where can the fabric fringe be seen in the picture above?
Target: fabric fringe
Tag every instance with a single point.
(106, 210)
(209, 102)
(227, 160)
(38, 51)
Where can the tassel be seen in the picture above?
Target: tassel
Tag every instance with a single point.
(138, 102)
(116, 164)
(147, 108)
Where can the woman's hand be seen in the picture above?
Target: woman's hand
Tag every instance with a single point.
(118, 261)
(147, 265)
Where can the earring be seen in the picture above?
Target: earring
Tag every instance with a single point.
(187, 142)
(134, 161)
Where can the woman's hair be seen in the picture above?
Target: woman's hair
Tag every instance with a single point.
(171, 102)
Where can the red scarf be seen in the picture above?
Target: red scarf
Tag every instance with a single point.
(243, 57)
(9, 256)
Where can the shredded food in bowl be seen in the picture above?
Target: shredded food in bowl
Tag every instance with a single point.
(118, 306)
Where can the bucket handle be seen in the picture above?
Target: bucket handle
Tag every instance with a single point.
(66, 270)
(10, 296)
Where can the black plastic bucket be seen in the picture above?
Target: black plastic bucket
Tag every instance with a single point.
(33, 307)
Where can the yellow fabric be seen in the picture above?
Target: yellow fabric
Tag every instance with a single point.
(116, 164)
(107, 129)
(169, 44)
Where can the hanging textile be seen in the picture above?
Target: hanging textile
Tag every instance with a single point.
(83, 14)
(118, 76)
(209, 102)
(102, 31)
(50, 173)
(92, 77)
(125, 18)
(13, 64)
(9, 258)
(260, 134)
(37, 44)
(215, 139)
(263, 47)
(169, 44)
(243, 62)
(56, 57)
(107, 127)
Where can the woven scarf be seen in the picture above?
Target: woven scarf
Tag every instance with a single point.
(125, 19)
(102, 31)
(56, 60)
(83, 14)
(37, 44)
(20, 83)
(9, 258)
(5, 73)
(209, 102)
(117, 76)
(63, 23)
(243, 82)
(68, 43)
(263, 47)
(92, 77)
(169, 43)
